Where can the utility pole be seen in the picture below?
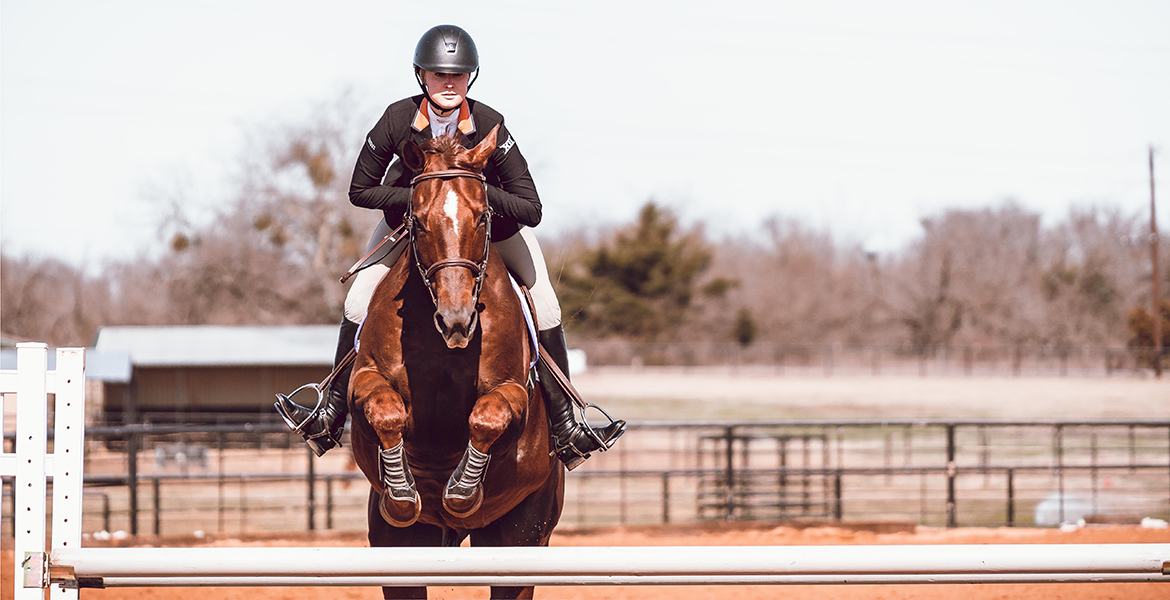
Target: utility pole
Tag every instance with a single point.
(1157, 276)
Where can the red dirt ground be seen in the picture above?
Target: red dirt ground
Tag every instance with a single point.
(715, 535)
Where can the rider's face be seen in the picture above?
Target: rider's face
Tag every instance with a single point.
(446, 90)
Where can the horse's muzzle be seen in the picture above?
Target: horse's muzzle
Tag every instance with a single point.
(456, 326)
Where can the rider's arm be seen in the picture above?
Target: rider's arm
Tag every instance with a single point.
(366, 189)
(516, 196)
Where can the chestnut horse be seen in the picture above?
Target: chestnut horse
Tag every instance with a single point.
(446, 424)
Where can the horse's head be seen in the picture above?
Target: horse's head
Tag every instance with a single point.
(450, 228)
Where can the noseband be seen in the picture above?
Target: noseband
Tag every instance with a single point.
(480, 268)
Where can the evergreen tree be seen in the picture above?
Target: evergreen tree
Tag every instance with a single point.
(640, 284)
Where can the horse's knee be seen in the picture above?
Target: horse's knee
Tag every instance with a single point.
(386, 416)
(494, 413)
(381, 406)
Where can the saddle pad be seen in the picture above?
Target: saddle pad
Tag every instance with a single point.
(525, 306)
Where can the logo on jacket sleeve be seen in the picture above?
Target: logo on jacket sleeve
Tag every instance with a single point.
(370, 143)
(507, 145)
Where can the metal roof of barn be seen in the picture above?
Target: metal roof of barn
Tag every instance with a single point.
(216, 345)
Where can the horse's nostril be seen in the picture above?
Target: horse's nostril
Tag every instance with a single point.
(440, 324)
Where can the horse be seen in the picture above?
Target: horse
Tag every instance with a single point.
(447, 426)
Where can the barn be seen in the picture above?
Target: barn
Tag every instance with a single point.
(210, 373)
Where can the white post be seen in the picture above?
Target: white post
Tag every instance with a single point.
(68, 455)
(29, 495)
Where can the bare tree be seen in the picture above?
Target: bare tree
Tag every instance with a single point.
(48, 300)
(1092, 275)
(274, 254)
(797, 284)
(969, 279)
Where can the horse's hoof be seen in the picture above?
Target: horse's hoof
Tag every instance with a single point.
(400, 511)
(463, 505)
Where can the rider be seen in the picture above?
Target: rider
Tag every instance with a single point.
(445, 65)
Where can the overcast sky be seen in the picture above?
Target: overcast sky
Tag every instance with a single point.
(861, 117)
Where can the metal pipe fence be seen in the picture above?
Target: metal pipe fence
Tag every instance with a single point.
(238, 479)
(66, 566)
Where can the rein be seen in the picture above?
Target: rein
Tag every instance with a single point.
(480, 268)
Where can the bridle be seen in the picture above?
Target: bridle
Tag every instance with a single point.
(480, 268)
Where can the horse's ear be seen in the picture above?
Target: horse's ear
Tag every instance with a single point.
(412, 155)
(478, 156)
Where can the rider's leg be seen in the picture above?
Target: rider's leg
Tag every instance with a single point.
(573, 442)
(322, 427)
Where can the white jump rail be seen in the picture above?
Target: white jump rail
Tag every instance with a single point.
(567, 565)
(66, 566)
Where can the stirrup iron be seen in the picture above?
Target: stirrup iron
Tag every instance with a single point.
(300, 427)
(604, 444)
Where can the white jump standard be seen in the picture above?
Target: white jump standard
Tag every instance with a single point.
(67, 567)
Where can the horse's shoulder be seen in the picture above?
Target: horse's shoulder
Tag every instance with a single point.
(387, 297)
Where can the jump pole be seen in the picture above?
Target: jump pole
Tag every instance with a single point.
(67, 566)
(622, 565)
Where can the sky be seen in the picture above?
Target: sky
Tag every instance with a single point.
(859, 118)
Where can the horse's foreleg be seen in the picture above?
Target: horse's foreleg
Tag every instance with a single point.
(494, 412)
(385, 411)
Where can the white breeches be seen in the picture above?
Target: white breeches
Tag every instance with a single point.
(521, 254)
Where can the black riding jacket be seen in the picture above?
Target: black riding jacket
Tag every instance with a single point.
(383, 183)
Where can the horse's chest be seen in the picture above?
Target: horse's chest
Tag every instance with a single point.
(445, 386)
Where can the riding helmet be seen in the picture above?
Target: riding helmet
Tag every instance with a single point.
(446, 49)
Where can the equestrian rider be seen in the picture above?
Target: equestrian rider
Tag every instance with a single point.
(445, 63)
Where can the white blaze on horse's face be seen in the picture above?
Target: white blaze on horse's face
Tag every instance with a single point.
(451, 208)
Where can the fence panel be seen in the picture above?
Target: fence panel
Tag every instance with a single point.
(237, 479)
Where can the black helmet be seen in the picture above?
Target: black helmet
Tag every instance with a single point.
(446, 49)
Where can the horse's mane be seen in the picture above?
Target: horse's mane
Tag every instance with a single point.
(449, 147)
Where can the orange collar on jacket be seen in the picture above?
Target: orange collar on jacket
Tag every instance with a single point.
(422, 120)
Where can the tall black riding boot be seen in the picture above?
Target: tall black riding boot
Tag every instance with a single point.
(572, 441)
(323, 424)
